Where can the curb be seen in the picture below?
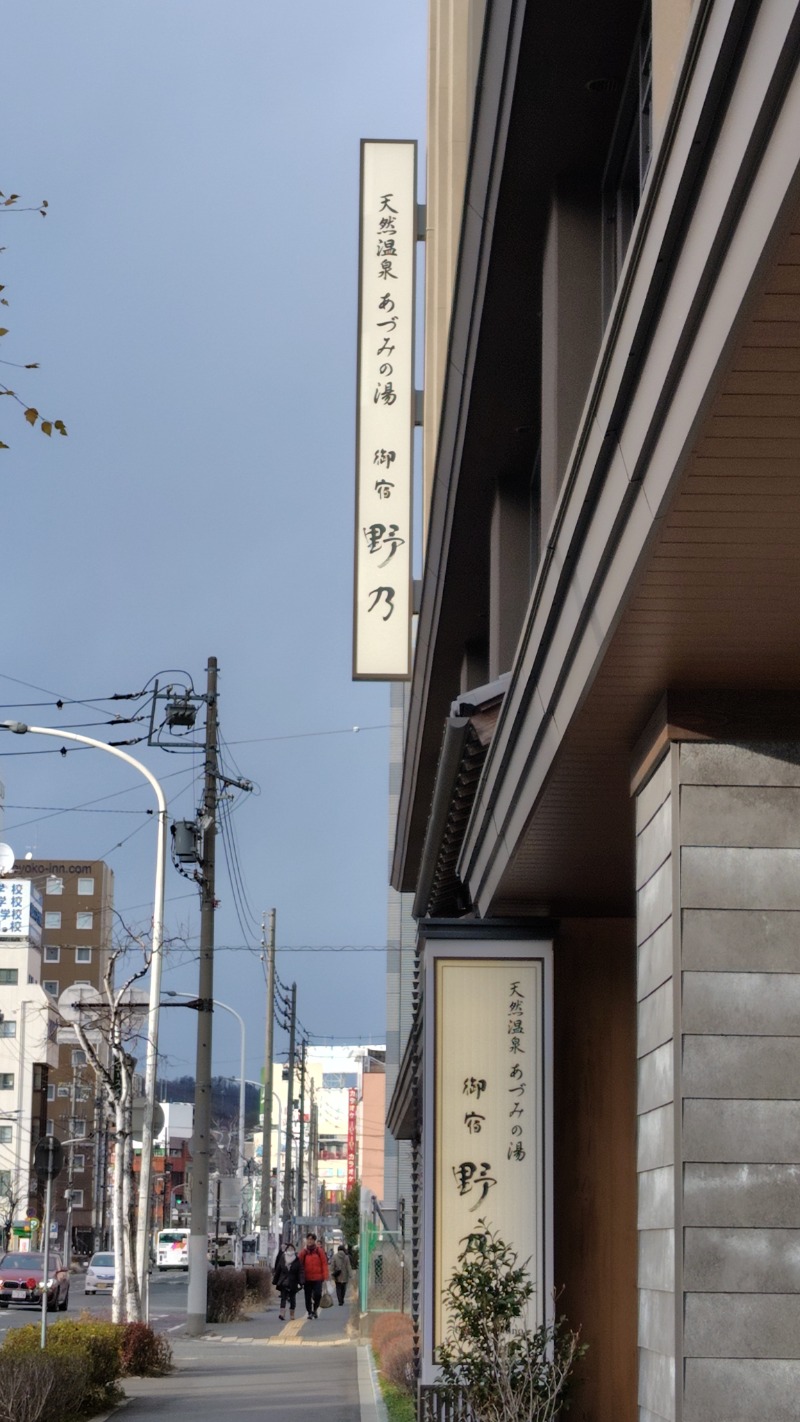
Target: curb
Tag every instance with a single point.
(370, 1398)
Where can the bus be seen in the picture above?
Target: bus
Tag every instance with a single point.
(172, 1249)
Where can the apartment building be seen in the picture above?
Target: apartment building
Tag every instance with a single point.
(77, 903)
(599, 801)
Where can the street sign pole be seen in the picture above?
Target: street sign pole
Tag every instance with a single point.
(48, 1161)
(46, 1268)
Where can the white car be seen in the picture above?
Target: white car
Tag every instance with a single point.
(100, 1274)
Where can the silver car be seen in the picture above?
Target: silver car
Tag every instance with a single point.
(100, 1274)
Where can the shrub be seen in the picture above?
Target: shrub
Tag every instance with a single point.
(258, 1286)
(40, 1388)
(387, 1326)
(143, 1353)
(397, 1362)
(225, 1295)
(95, 1346)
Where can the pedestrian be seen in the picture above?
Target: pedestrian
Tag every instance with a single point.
(314, 1264)
(342, 1271)
(287, 1276)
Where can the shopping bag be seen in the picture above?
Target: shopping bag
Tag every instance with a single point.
(327, 1289)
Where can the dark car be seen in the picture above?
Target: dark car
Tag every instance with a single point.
(22, 1278)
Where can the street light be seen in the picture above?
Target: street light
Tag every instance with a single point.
(19, 728)
(193, 1001)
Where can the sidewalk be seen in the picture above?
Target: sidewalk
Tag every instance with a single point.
(262, 1367)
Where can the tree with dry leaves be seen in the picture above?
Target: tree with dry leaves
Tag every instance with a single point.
(10, 204)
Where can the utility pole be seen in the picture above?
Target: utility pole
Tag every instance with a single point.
(301, 1178)
(265, 1218)
(312, 1132)
(287, 1176)
(73, 1109)
(198, 1242)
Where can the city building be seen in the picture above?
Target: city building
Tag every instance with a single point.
(77, 899)
(28, 1052)
(598, 807)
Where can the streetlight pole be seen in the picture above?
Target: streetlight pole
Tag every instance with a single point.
(19, 728)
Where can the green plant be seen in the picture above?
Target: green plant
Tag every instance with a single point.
(90, 1346)
(36, 1387)
(386, 1326)
(400, 1406)
(397, 1362)
(350, 1215)
(143, 1353)
(507, 1372)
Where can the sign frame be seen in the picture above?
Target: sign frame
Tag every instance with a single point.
(385, 413)
(496, 951)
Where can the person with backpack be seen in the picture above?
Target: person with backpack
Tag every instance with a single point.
(342, 1271)
(314, 1264)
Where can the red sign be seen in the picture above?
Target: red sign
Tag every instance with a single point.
(352, 1105)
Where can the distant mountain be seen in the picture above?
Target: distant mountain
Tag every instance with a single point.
(224, 1097)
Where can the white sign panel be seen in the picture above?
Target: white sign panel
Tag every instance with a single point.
(385, 427)
(490, 1102)
(20, 910)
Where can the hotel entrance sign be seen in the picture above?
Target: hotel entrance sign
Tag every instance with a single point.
(385, 416)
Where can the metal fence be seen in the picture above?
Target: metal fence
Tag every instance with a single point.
(436, 1405)
(384, 1269)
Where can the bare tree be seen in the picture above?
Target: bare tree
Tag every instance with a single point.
(106, 1030)
(10, 1201)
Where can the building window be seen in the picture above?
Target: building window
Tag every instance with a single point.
(52, 953)
(51, 1091)
(628, 159)
(51, 1127)
(8, 1029)
(54, 885)
(50, 986)
(83, 955)
(78, 1057)
(77, 1199)
(63, 1088)
(5, 1183)
(86, 886)
(79, 1161)
(79, 1129)
(9, 977)
(5, 1135)
(84, 920)
(52, 918)
(6, 1081)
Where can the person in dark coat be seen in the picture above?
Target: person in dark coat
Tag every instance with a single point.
(287, 1276)
(342, 1271)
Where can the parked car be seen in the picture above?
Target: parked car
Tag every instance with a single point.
(100, 1274)
(22, 1281)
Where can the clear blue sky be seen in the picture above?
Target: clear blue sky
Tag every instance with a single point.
(191, 297)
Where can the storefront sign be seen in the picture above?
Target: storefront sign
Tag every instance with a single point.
(352, 1108)
(20, 910)
(491, 1121)
(385, 423)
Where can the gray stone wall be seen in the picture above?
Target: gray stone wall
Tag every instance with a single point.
(718, 856)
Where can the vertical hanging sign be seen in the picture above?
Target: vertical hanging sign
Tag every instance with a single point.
(352, 1108)
(385, 416)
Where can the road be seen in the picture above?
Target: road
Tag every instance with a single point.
(167, 1304)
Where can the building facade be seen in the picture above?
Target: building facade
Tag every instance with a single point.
(78, 901)
(602, 767)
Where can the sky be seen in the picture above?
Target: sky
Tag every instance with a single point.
(191, 299)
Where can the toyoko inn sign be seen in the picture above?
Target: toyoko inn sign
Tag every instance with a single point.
(488, 1133)
(385, 423)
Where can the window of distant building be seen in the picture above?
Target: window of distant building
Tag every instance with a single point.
(83, 955)
(77, 1199)
(64, 1088)
(5, 1183)
(51, 1091)
(52, 918)
(8, 1029)
(6, 1081)
(50, 986)
(51, 1127)
(331, 1080)
(6, 1135)
(84, 920)
(54, 885)
(86, 886)
(78, 1161)
(79, 1129)
(9, 977)
(78, 1057)
(52, 953)
(628, 159)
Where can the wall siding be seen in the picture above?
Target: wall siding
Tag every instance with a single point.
(732, 1100)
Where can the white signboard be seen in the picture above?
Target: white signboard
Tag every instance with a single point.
(20, 910)
(385, 427)
(491, 1117)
